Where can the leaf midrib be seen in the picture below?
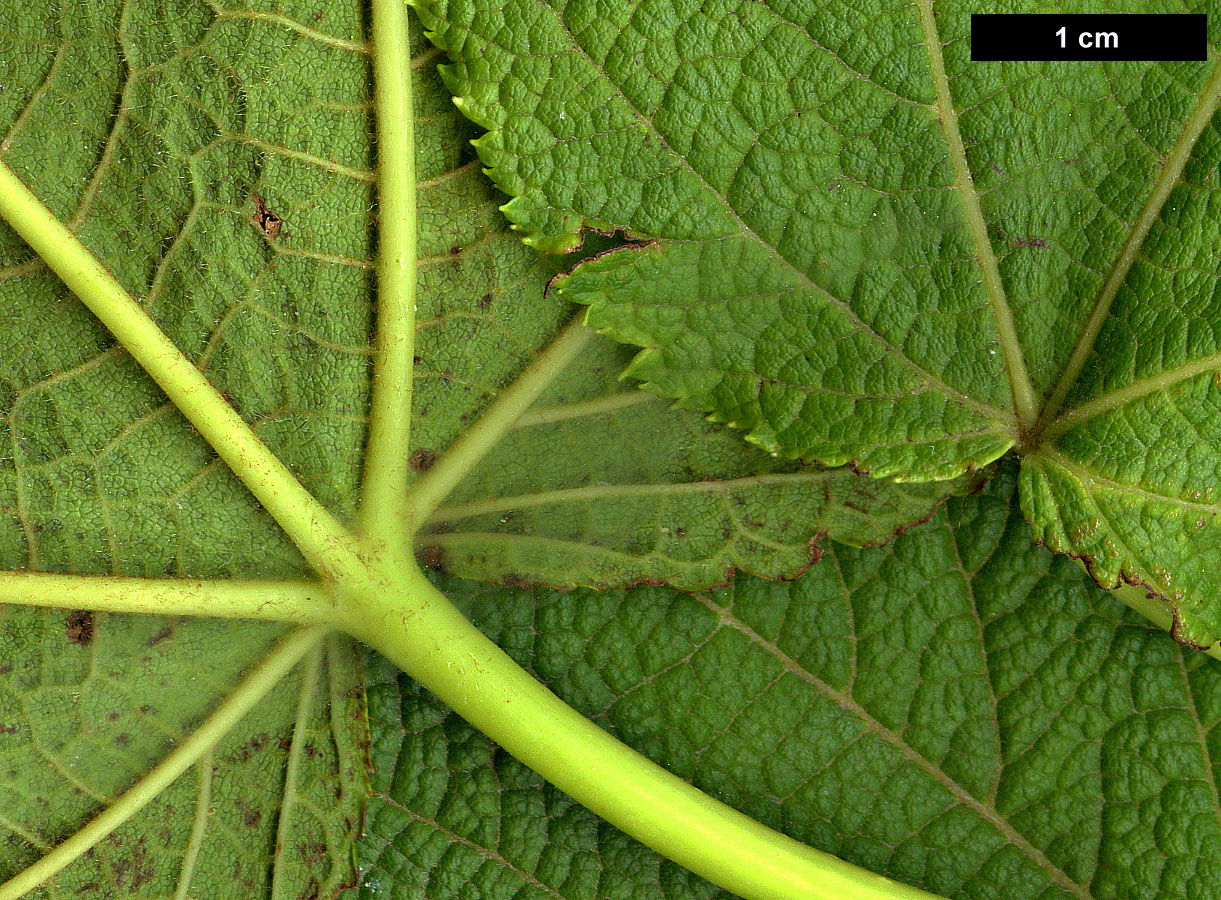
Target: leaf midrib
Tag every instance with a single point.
(1088, 477)
(1025, 400)
(587, 493)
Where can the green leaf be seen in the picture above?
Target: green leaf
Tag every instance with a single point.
(856, 245)
(151, 131)
(962, 711)
(942, 711)
(808, 275)
(283, 328)
(89, 703)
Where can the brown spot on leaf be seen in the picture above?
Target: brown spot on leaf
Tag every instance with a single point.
(160, 636)
(312, 852)
(433, 557)
(422, 459)
(251, 747)
(80, 627)
(265, 219)
(135, 863)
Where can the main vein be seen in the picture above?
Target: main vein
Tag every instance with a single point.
(1171, 172)
(299, 602)
(1025, 397)
(594, 492)
(322, 539)
(384, 490)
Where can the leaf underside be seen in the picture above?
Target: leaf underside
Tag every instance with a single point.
(960, 710)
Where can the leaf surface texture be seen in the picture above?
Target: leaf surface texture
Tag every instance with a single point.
(856, 245)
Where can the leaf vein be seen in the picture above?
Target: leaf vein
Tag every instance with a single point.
(1024, 400)
(872, 725)
(1167, 179)
(305, 31)
(1137, 389)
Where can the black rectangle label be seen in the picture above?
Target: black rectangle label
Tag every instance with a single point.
(1105, 36)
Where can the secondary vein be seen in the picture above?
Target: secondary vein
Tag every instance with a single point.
(869, 723)
(270, 670)
(203, 808)
(307, 696)
(1025, 398)
(466, 452)
(1171, 172)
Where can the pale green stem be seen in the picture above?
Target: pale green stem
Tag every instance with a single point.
(298, 602)
(305, 706)
(466, 452)
(432, 642)
(203, 810)
(323, 540)
(1155, 610)
(384, 492)
(585, 409)
(253, 688)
